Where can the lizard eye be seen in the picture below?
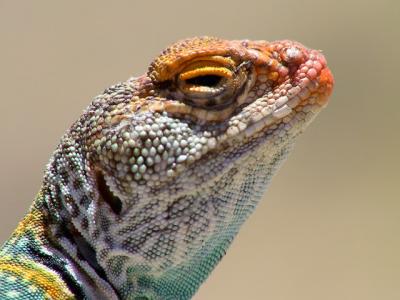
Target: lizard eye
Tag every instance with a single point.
(210, 83)
(205, 80)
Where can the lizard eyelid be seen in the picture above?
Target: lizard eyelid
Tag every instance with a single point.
(211, 84)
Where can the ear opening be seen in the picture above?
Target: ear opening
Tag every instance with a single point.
(107, 195)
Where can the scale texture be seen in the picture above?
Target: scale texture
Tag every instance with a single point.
(146, 191)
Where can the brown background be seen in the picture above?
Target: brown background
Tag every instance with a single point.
(329, 226)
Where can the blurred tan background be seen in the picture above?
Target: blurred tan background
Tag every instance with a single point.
(329, 227)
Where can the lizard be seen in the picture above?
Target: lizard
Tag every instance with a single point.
(148, 188)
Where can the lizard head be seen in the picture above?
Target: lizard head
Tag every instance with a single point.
(181, 156)
(201, 98)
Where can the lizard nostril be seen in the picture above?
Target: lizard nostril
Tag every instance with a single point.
(293, 55)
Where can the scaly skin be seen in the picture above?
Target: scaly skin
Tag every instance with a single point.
(148, 188)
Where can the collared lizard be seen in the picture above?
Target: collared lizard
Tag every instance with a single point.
(146, 191)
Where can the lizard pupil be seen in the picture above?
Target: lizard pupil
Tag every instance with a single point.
(205, 80)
